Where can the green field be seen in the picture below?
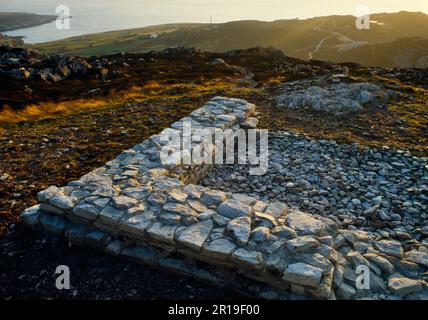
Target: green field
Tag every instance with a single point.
(132, 40)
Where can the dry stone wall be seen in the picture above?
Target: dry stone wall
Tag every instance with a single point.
(137, 208)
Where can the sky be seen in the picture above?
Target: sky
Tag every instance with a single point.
(223, 10)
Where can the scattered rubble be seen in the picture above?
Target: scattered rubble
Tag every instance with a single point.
(338, 99)
(24, 64)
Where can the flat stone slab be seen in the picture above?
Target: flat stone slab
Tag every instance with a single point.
(234, 209)
(195, 236)
(304, 223)
(240, 229)
(303, 274)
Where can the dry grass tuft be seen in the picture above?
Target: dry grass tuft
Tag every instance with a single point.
(152, 90)
(47, 110)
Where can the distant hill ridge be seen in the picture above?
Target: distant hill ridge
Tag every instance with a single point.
(394, 39)
(17, 20)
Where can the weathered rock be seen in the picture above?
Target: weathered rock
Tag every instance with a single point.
(197, 206)
(265, 219)
(303, 274)
(353, 236)
(138, 224)
(207, 215)
(276, 209)
(304, 224)
(371, 212)
(356, 259)
(180, 209)
(316, 260)
(233, 209)
(377, 284)
(124, 202)
(111, 216)
(418, 257)
(345, 291)
(284, 232)
(53, 224)
(31, 215)
(337, 99)
(195, 236)
(210, 198)
(247, 259)
(176, 265)
(302, 244)
(46, 195)
(219, 249)
(86, 211)
(381, 262)
(260, 234)
(240, 229)
(250, 123)
(62, 202)
(402, 286)
(220, 220)
(390, 247)
(162, 233)
(77, 234)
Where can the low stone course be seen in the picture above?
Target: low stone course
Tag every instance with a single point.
(137, 208)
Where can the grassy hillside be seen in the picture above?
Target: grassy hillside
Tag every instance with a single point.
(11, 41)
(332, 38)
(399, 53)
(114, 41)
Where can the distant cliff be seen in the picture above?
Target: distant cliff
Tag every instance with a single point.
(17, 20)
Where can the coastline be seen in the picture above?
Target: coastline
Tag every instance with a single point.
(11, 21)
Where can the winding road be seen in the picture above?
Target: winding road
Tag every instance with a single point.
(331, 35)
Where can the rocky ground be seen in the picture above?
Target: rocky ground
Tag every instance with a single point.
(359, 107)
(378, 190)
(337, 99)
(58, 78)
(381, 191)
